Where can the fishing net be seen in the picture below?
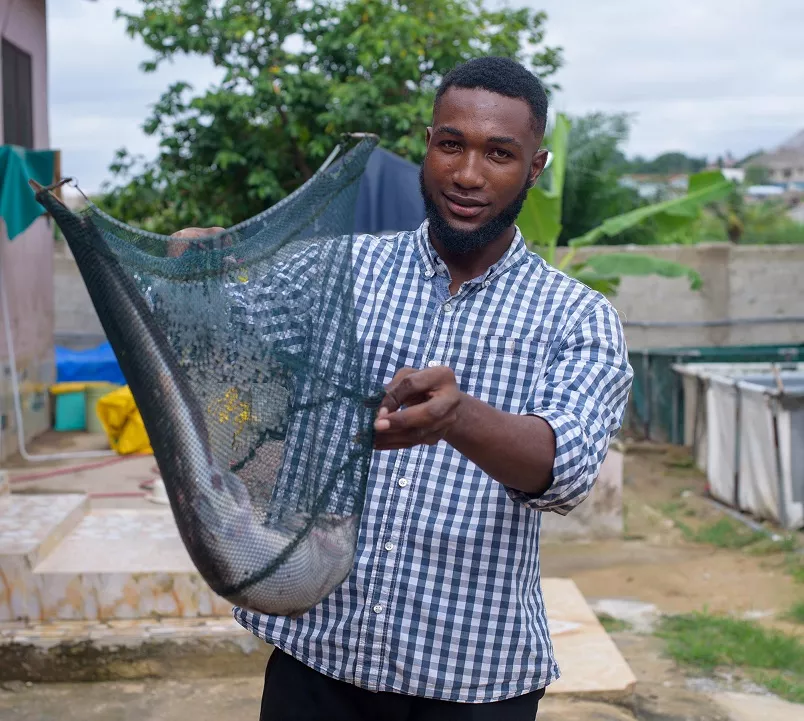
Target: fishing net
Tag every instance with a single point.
(241, 353)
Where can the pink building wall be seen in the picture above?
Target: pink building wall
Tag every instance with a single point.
(26, 263)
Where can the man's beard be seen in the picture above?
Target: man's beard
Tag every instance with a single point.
(461, 242)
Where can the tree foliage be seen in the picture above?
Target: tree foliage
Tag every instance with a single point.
(592, 191)
(666, 164)
(296, 75)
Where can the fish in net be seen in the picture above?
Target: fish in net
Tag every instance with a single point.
(242, 355)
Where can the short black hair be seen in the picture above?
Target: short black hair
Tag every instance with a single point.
(503, 76)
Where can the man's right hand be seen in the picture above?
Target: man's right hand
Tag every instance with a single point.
(176, 248)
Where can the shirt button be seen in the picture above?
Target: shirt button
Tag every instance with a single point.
(432, 363)
(486, 283)
(447, 307)
(403, 482)
(389, 546)
(428, 273)
(378, 608)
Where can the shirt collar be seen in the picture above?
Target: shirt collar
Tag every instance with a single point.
(432, 264)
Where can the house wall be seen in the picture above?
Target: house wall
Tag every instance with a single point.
(792, 174)
(26, 263)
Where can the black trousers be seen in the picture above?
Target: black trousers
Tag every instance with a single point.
(295, 692)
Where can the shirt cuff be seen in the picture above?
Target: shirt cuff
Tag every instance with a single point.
(571, 480)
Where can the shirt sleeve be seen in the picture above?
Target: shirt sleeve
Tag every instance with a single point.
(582, 396)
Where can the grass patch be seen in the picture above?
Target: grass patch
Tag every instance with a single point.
(706, 642)
(796, 613)
(727, 533)
(684, 463)
(674, 509)
(611, 624)
(781, 685)
(766, 546)
(794, 565)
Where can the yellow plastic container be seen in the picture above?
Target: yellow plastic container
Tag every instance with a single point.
(122, 422)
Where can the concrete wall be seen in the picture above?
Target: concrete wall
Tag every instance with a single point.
(600, 515)
(77, 324)
(739, 282)
(26, 263)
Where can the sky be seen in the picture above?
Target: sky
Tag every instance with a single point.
(698, 76)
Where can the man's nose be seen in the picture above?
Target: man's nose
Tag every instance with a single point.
(469, 171)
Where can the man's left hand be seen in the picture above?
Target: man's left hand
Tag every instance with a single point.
(431, 400)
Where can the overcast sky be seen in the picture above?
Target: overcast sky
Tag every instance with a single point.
(701, 76)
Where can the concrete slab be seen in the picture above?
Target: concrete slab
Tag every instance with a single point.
(600, 516)
(641, 617)
(117, 650)
(746, 707)
(30, 527)
(124, 564)
(590, 662)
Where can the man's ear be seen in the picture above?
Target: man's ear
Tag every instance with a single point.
(428, 134)
(537, 166)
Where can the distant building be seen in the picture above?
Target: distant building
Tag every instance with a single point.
(785, 164)
(656, 187)
(735, 175)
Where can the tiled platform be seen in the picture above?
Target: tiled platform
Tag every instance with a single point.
(121, 541)
(30, 528)
(95, 582)
(124, 564)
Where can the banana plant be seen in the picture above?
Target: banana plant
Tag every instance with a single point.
(540, 223)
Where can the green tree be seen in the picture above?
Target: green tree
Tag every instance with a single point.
(667, 164)
(756, 175)
(296, 76)
(592, 191)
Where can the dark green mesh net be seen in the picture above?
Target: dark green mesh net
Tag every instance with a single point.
(241, 353)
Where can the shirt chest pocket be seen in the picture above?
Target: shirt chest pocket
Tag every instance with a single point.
(505, 370)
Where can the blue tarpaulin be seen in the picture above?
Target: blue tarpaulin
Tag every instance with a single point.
(93, 364)
(389, 198)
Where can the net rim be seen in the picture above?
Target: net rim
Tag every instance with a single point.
(364, 139)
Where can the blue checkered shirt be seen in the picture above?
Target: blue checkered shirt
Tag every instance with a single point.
(444, 599)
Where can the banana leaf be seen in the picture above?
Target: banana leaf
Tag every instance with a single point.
(615, 265)
(540, 217)
(705, 187)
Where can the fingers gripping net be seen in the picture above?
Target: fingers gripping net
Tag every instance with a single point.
(241, 352)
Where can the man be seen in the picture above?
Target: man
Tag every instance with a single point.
(505, 382)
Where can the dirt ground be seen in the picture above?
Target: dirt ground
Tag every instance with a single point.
(655, 563)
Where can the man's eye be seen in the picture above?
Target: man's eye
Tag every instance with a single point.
(449, 144)
(499, 153)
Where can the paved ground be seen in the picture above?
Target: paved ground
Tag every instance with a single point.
(652, 564)
(239, 698)
(114, 481)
